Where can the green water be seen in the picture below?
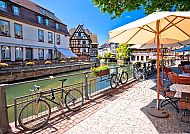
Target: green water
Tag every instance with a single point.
(22, 89)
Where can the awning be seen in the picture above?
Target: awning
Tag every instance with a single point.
(67, 53)
(186, 48)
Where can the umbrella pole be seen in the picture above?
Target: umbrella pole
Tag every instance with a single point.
(156, 111)
(158, 63)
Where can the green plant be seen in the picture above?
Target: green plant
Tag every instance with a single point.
(62, 61)
(101, 68)
(108, 55)
(117, 7)
(123, 51)
(72, 60)
(99, 57)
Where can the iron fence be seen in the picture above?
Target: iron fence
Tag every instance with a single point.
(88, 84)
(20, 102)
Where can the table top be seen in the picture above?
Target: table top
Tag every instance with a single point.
(180, 88)
(184, 75)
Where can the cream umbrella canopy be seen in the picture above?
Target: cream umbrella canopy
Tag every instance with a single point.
(157, 26)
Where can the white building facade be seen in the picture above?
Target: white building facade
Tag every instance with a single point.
(22, 40)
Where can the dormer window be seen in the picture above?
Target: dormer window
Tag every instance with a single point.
(46, 22)
(43, 11)
(51, 15)
(3, 5)
(40, 19)
(16, 10)
(56, 26)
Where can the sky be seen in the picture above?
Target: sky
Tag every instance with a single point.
(75, 12)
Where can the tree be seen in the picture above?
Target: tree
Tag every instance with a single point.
(108, 55)
(99, 57)
(117, 7)
(123, 51)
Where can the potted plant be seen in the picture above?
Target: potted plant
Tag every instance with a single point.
(30, 63)
(48, 62)
(101, 71)
(3, 65)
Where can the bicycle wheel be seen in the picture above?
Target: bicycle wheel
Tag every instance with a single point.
(34, 115)
(114, 81)
(74, 100)
(124, 77)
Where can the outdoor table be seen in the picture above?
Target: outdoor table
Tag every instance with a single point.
(180, 88)
(184, 75)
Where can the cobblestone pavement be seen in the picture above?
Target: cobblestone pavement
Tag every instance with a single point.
(122, 112)
(128, 114)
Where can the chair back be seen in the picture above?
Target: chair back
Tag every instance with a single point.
(173, 77)
(184, 80)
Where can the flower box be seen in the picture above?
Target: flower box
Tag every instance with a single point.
(101, 71)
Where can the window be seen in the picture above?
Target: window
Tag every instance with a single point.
(41, 54)
(43, 11)
(40, 19)
(46, 22)
(50, 37)
(83, 42)
(5, 53)
(18, 53)
(3, 5)
(16, 10)
(18, 31)
(51, 15)
(40, 35)
(50, 54)
(56, 26)
(79, 34)
(4, 28)
(142, 58)
(28, 53)
(58, 39)
(137, 58)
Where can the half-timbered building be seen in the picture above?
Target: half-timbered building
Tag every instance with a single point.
(84, 43)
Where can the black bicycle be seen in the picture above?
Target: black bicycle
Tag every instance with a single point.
(119, 76)
(36, 113)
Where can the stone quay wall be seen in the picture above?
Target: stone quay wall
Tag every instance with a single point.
(33, 73)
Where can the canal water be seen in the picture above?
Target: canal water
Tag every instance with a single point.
(23, 88)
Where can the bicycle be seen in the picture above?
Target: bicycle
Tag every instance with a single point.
(119, 76)
(40, 109)
(140, 73)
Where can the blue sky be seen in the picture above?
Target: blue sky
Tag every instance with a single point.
(74, 12)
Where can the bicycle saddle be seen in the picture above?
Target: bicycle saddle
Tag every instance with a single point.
(36, 86)
(63, 80)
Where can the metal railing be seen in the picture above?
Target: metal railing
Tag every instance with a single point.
(89, 85)
(19, 102)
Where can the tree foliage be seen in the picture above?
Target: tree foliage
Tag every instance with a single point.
(117, 7)
(108, 55)
(123, 51)
(99, 57)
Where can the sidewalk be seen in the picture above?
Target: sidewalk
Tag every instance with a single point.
(128, 114)
(122, 112)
